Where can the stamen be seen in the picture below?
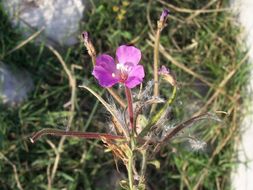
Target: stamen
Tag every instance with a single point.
(113, 75)
(122, 67)
(123, 71)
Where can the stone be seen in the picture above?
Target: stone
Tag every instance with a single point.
(61, 18)
(15, 85)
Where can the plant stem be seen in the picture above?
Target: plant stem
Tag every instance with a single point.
(131, 164)
(143, 168)
(130, 172)
(130, 107)
(159, 114)
(156, 65)
(160, 26)
(144, 162)
(156, 62)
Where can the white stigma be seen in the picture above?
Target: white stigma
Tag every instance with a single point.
(122, 67)
(113, 75)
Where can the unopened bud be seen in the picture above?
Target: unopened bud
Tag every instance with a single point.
(164, 15)
(88, 44)
(165, 73)
(85, 36)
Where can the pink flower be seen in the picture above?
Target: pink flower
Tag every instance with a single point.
(126, 69)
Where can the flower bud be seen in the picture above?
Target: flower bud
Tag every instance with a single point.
(164, 15)
(85, 36)
(88, 44)
(165, 73)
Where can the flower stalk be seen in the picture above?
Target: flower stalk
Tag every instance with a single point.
(143, 168)
(130, 171)
(130, 108)
(160, 26)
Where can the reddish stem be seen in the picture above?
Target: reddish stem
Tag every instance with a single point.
(130, 107)
(86, 135)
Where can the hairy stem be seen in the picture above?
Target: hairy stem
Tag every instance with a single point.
(114, 94)
(160, 113)
(130, 107)
(182, 126)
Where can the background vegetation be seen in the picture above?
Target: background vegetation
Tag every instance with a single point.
(199, 45)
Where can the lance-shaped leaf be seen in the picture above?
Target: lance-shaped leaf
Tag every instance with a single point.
(188, 123)
(78, 134)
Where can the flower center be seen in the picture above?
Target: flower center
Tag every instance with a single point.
(122, 70)
(122, 67)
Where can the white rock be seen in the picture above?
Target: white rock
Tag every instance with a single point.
(15, 85)
(61, 18)
(242, 178)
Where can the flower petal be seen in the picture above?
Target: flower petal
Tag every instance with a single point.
(135, 76)
(104, 71)
(104, 78)
(106, 61)
(128, 54)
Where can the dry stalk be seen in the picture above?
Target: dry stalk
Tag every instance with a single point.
(148, 17)
(14, 170)
(189, 71)
(194, 14)
(160, 25)
(23, 43)
(185, 10)
(52, 145)
(222, 85)
(231, 132)
(72, 84)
